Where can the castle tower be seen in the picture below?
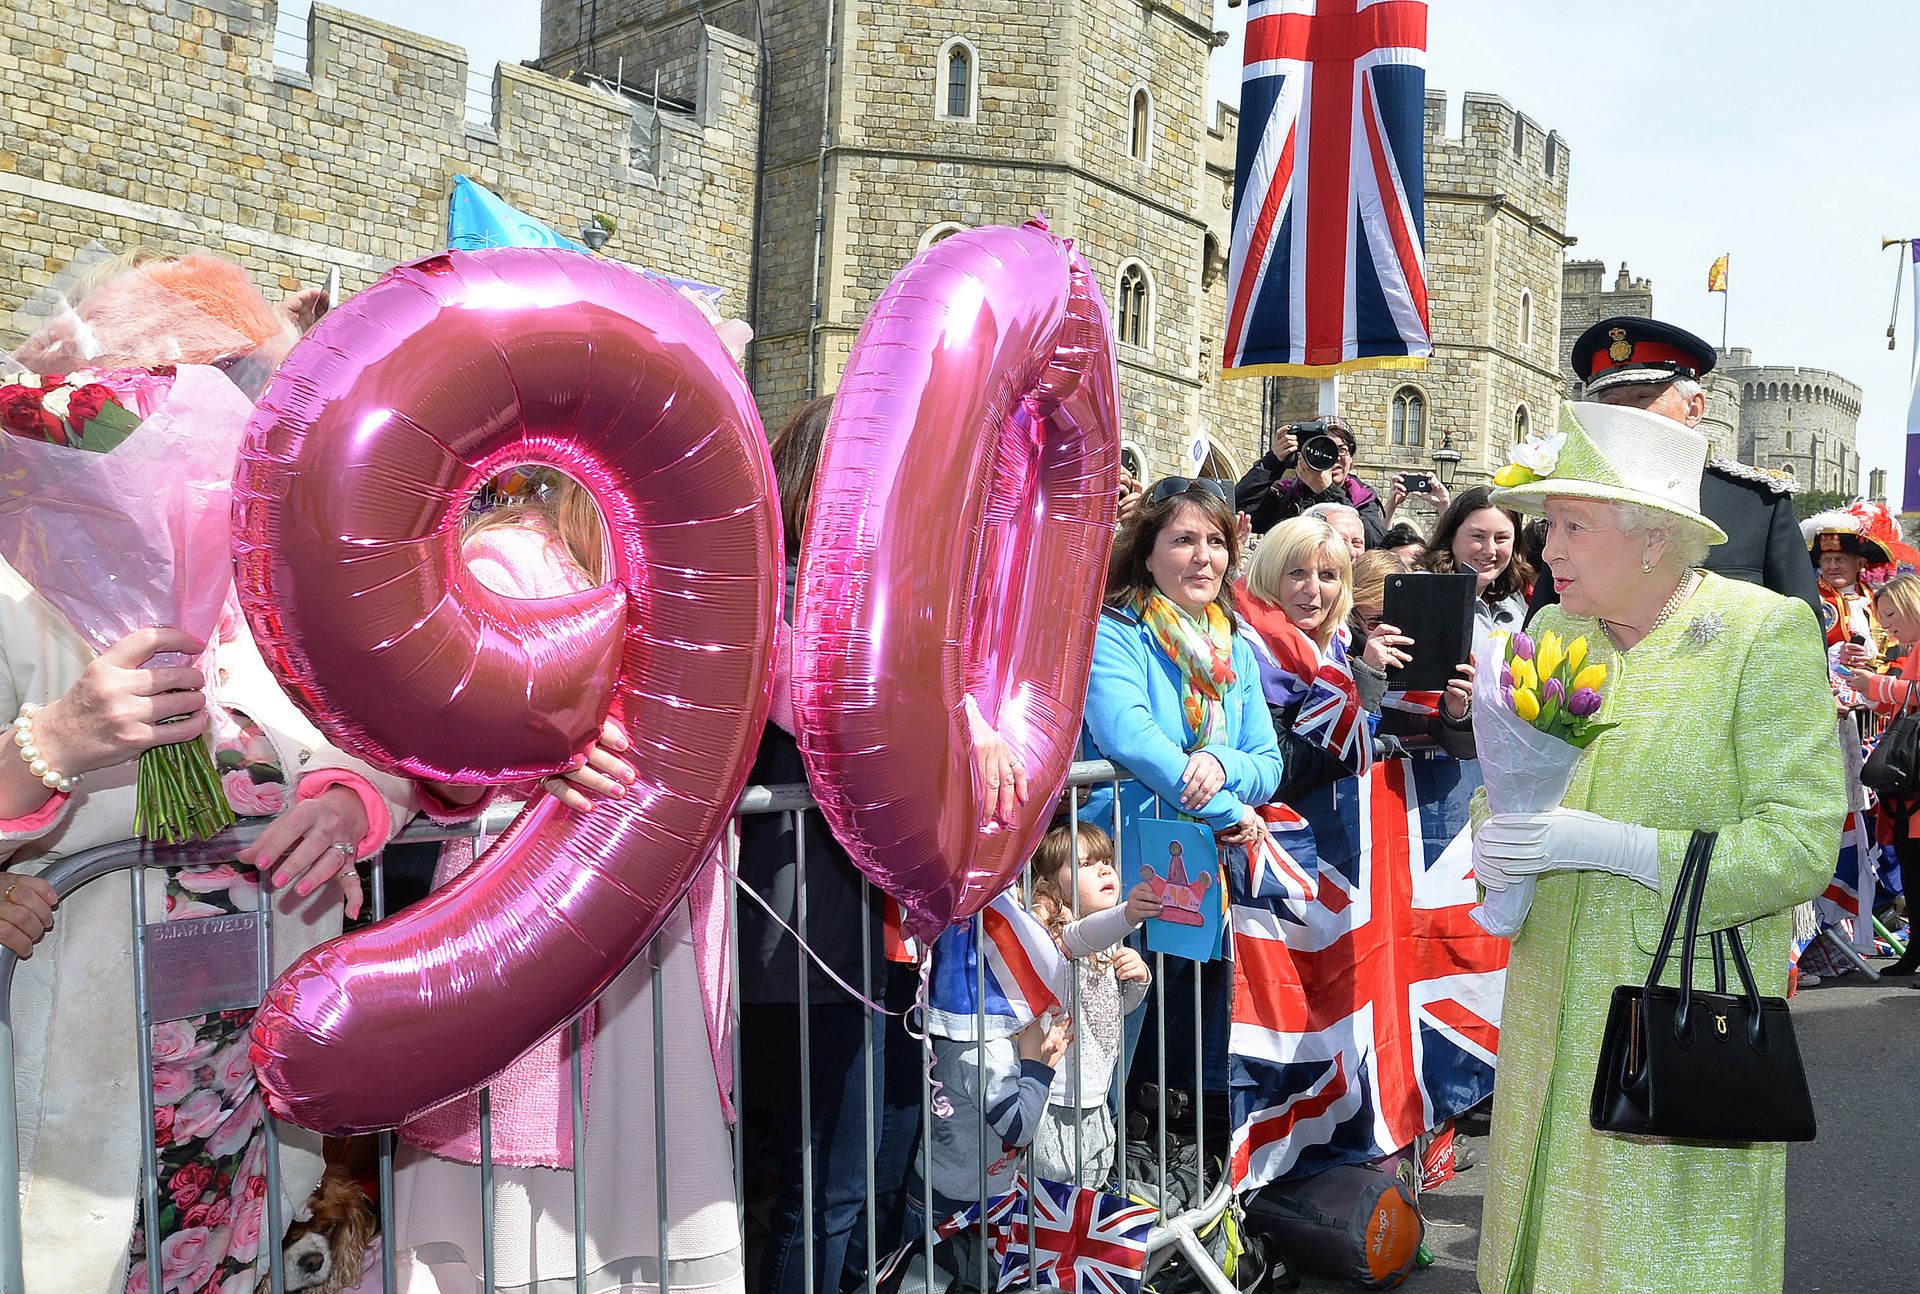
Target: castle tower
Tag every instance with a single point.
(1800, 420)
(891, 123)
(1496, 206)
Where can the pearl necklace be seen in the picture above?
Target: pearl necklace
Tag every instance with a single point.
(1681, 592)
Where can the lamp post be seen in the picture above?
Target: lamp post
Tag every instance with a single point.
(1446, 459)
(594, 235)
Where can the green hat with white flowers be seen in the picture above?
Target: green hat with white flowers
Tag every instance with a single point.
(1611, 454)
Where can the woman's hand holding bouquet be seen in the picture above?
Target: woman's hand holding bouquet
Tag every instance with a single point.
(1533, 718)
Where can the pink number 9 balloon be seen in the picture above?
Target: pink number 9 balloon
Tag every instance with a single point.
(349, 498)
(956, 547)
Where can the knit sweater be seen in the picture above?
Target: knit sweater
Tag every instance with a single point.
(983, 1080)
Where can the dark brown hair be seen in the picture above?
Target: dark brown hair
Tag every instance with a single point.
(1128, 578)
(796, 456)
(1516, 579)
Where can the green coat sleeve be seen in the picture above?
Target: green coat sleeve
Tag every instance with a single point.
(1779, 845)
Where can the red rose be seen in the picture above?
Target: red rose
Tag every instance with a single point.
(186, 1185)
(84, 405)
(163, 1125)
(22, 414)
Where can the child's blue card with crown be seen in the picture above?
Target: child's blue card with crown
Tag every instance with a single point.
(1182, 863)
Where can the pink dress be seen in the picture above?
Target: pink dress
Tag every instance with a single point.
(437, 1195)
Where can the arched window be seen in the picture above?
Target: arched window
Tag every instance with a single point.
(1133, 323)
(1409, 417)
(1522, 423)
(945, 229)
(958, 94)
(1140, 124)
(1524, 334)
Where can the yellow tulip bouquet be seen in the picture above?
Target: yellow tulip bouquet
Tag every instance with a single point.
(1533, 717)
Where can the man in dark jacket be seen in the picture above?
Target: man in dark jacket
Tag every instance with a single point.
(1657, 367)
(1320, 455)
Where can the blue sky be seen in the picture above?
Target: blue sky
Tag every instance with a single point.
(1782, 135)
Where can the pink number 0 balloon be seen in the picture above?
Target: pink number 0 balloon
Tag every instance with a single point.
(349, 498)
(956, 547)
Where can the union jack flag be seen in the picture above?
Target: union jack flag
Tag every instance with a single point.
(1374, 1014)
(1001, 1210)
(1327, 270)
(1294, 673)
(1082, 1241)
(1024, 975)
(1849, 894)
(1283, 866)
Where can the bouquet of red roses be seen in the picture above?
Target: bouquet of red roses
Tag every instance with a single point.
(115, 494)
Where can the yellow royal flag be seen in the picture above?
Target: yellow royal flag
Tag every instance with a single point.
(1717, 276)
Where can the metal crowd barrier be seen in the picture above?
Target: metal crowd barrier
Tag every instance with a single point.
(1180, 1232)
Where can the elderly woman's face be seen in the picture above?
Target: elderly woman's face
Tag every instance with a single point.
(1596, 566)
(1484, 544)
(1189, 558)
(1308, 590)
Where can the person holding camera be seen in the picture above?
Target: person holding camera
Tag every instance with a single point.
(1416, 485)
(1320, 456)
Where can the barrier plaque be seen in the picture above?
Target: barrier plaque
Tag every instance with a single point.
(202, 965)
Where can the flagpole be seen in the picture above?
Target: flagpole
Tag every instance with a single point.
(1329, 395)
(1725, 294)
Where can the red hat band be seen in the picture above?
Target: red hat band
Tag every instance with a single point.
(1642, 354)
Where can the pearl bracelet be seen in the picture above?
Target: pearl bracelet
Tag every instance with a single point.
(49, 776)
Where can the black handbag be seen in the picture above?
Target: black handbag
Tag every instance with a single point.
(1685, 1063)
(1893, 766)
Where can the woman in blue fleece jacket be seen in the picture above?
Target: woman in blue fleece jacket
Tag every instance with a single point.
(1175, 692)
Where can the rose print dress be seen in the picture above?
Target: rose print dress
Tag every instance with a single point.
(207, 1111)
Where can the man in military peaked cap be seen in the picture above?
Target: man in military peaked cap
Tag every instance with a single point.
(1657, 367)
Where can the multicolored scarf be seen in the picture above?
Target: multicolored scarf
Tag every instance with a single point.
(1203, 650)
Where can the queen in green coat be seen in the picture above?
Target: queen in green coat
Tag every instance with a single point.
(1726, 723)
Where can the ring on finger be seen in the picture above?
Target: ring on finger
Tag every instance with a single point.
(346, 849)
(6, 895)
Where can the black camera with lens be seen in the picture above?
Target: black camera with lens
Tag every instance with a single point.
(1318, 449)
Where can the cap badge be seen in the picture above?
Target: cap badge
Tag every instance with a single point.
(1622, 350)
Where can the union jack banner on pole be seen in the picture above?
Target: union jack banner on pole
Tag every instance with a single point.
(1373, 1013)
(1327, 272)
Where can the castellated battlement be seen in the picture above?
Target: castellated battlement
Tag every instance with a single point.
(168, 123)
(1813, 386)
(1500, 151)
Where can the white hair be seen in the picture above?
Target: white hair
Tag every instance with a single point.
(1686, 387)
(1686, 540)
(1328, 511)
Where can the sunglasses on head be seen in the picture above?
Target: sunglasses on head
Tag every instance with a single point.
(1170, 486)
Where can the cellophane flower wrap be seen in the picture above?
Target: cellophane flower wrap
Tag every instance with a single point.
(115, 495)
(1533, 717)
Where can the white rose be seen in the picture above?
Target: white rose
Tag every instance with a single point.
(55, 401)
(1540, 455)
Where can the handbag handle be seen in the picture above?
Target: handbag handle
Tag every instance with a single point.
(1693, 877)
(1682, 896)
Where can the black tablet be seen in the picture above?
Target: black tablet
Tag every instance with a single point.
(1436, 611)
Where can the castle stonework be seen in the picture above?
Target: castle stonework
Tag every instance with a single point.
(168, 124)
(891, 123)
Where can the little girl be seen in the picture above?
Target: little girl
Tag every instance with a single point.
(1112, 979)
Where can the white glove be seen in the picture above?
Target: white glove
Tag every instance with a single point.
(1509, 846)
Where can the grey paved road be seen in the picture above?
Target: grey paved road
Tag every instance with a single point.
(1853, 1211)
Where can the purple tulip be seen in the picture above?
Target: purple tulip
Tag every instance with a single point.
(1506, 693)
(1584, 703)
(1506, 678)
(1523, 646)
(1553, 691)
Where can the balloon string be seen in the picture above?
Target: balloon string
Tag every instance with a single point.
(936, 1099)
(806, 948)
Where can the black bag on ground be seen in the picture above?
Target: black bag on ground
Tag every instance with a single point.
(1354, 1222)
(1671, 1058)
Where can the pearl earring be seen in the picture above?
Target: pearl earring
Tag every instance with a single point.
(1646, 567)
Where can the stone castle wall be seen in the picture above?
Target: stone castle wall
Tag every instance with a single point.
(1800, 420)
(167, 123)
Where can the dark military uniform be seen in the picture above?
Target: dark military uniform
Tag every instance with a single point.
(1763, 545)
